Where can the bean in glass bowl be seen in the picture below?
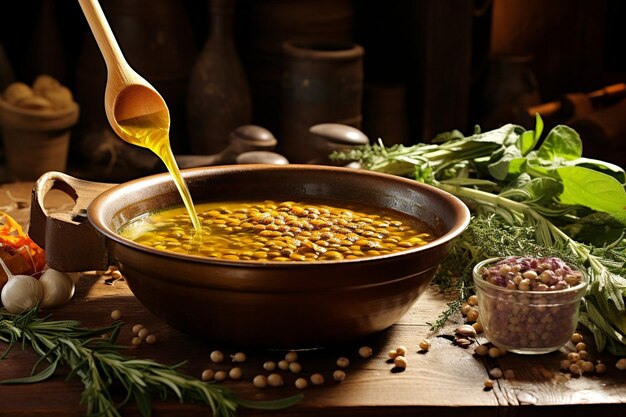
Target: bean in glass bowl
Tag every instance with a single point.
(528, 305)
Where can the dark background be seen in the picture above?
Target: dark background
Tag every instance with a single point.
(430, 66)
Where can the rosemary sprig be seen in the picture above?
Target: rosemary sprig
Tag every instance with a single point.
(98, 363)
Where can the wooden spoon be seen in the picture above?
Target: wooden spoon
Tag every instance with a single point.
(127, 94)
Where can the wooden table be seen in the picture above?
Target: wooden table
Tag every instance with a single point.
(445, 381)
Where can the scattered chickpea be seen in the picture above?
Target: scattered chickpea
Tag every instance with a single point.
(472, 300)
(238, 357)
(472, 315)
(235, 373)
(275, 380)
(493, 352)
(575, 369)
(600, 368)
(295, 367)
(339, 375)
(269, 366)
(401, 351)
(260, 381)
(220, 376)
(465, 308)
(217, 356)
(621, 364)
(400, 362)
(509, 374)
(576, 338)
(495, 373)
(116, 314)
(587, 367)
(143, 333)
(365, 351)
(424, 344)
(392, 354)
(301, 383)
(317, 379)
(477, 325)
(283, 365)
(481, 350)
(135, 341)
(291, 356)
(151, 339)
(343, 362)
(581, 346)
(488, 383)
(207, 375)
(573, 356)
(137, 328)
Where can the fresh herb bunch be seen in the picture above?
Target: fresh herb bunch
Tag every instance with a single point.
(550, 189)
(98, 363)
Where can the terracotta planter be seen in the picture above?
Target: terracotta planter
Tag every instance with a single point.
(35, 141)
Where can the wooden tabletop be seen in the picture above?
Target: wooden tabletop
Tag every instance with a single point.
(445, 381)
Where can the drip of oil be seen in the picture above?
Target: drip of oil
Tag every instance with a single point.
(152, 131)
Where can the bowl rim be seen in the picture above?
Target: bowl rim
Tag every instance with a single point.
(96, 214)
(483, 284)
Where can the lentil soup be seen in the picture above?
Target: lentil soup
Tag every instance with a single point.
(280, 231)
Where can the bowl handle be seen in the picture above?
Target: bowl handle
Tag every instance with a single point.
(70, 241)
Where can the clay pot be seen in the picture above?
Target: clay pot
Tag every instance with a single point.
(322, 83)
(35, 141)
(267, 304)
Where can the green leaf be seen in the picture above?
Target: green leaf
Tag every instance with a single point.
(562, 143)
(529, 139)
(41, 376)
(602, 166)
(593, 189)
(500, 169)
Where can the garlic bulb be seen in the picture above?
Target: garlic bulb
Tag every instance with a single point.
(21, 293)
(58, 288)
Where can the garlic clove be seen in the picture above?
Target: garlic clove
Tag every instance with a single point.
(58, 288)
(21, 293)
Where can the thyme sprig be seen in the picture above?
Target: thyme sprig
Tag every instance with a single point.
(100, 366)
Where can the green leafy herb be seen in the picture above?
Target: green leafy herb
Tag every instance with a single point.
(98, 363)
(549, 191)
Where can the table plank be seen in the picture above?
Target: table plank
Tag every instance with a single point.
(446, 381)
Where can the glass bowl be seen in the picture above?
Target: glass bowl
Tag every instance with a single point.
(529, 317)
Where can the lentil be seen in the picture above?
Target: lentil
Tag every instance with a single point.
(343, 362)
(317, 379)
(260, 381)
(260, 231)
(269, 366)
(207, 375)
(275, 380)
(235, 373)
(400, 362)
(220, 376)
(301, 383)
(339, 375)
(217, 356)
(295, 367)
(365, 351)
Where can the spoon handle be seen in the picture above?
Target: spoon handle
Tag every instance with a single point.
(107, 43)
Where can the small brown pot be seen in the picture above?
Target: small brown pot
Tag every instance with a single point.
(268, 304)
(35, 141)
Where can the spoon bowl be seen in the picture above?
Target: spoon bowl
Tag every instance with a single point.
(128, 95)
